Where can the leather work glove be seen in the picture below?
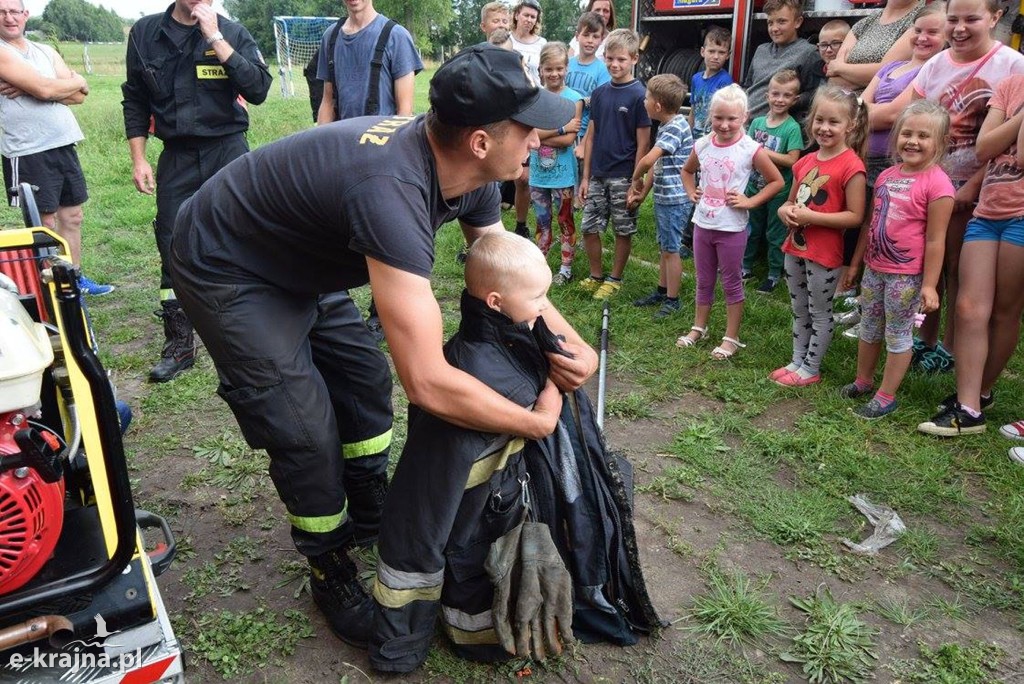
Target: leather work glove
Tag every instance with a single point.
(532, 591)
(502, 568)
(544, 605)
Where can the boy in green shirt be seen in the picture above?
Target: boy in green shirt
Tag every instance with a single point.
(780, 135)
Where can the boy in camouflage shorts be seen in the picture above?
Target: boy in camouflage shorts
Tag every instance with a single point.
(619, 137)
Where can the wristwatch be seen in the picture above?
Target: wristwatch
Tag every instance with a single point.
(214, 38)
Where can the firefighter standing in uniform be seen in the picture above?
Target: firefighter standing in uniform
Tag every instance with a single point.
(185, 69)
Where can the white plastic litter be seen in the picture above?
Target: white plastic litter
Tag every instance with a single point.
(887, 522)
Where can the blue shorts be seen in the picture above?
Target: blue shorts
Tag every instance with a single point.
(670, 219)
(1004, 230)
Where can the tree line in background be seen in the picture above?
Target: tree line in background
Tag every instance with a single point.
(439, 27)
(77, 20)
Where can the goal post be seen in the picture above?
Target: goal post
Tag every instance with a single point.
(296, 39)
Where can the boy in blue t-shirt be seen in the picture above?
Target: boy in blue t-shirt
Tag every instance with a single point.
(587, 72)
(619, 136)
(705, 83)
(672, 205)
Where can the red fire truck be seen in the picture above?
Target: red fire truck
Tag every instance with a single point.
(672, 31)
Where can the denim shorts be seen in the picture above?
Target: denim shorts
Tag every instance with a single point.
(669, 220)
(991, 230)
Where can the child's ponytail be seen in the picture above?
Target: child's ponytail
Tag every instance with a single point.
(858, 137)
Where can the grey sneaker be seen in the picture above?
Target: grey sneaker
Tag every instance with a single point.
(561, 278)
(668, 307)
(853, 332)
(873, 410)
(851, 391)
(653, 299)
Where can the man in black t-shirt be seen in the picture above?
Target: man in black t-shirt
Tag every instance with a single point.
(334, 208)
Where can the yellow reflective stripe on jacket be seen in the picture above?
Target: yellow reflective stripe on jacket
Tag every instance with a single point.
(398, 588)
(464, 638)
(317, 524)
(399, 598)
(492, 463)
(367, 447)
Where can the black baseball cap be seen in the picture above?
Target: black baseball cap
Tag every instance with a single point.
(484, 84)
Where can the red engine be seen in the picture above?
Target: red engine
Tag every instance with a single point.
(31, 500)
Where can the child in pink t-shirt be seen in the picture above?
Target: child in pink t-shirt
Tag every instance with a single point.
(989, 306)
(902, 250)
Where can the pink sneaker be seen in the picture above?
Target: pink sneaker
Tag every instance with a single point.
(793, 379)
(778, 373)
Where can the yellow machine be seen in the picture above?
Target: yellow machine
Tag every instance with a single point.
(78, 595)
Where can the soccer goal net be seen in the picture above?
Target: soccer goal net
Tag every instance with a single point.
(297, 38)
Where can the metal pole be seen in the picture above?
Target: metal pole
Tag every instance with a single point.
(602, 371)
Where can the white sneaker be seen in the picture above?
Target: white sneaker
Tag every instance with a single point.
(1017, 455)
(853, 332)
(1014, 430)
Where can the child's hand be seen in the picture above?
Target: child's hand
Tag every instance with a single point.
(584, 186)
(697, 194)
(786, 214)
(578, 151)
(573, 126)
(738, 200)
(851, 278)
(929, 299)
(631, 201)
(801, 216)
(634, 199)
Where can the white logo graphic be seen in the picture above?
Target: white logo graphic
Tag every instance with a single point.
(80, 654)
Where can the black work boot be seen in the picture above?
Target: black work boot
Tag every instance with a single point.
(365, 502)
(338, 594)
(179, 352)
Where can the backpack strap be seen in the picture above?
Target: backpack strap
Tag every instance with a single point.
(332, 41)
(376, 64)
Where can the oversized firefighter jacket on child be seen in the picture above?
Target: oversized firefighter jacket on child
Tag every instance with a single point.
(455, 491)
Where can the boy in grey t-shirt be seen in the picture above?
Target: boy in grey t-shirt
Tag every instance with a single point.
(785, 51)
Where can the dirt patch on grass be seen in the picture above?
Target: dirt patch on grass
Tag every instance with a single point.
(237, 556)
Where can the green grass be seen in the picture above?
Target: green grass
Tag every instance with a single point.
(974, 663)
(733, 610)
(776, 462)
(834, 646)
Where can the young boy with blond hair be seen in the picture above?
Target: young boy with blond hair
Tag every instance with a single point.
(780, 136)
(494, 15)
(672, 205)
(619, 137)
(786, 50)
